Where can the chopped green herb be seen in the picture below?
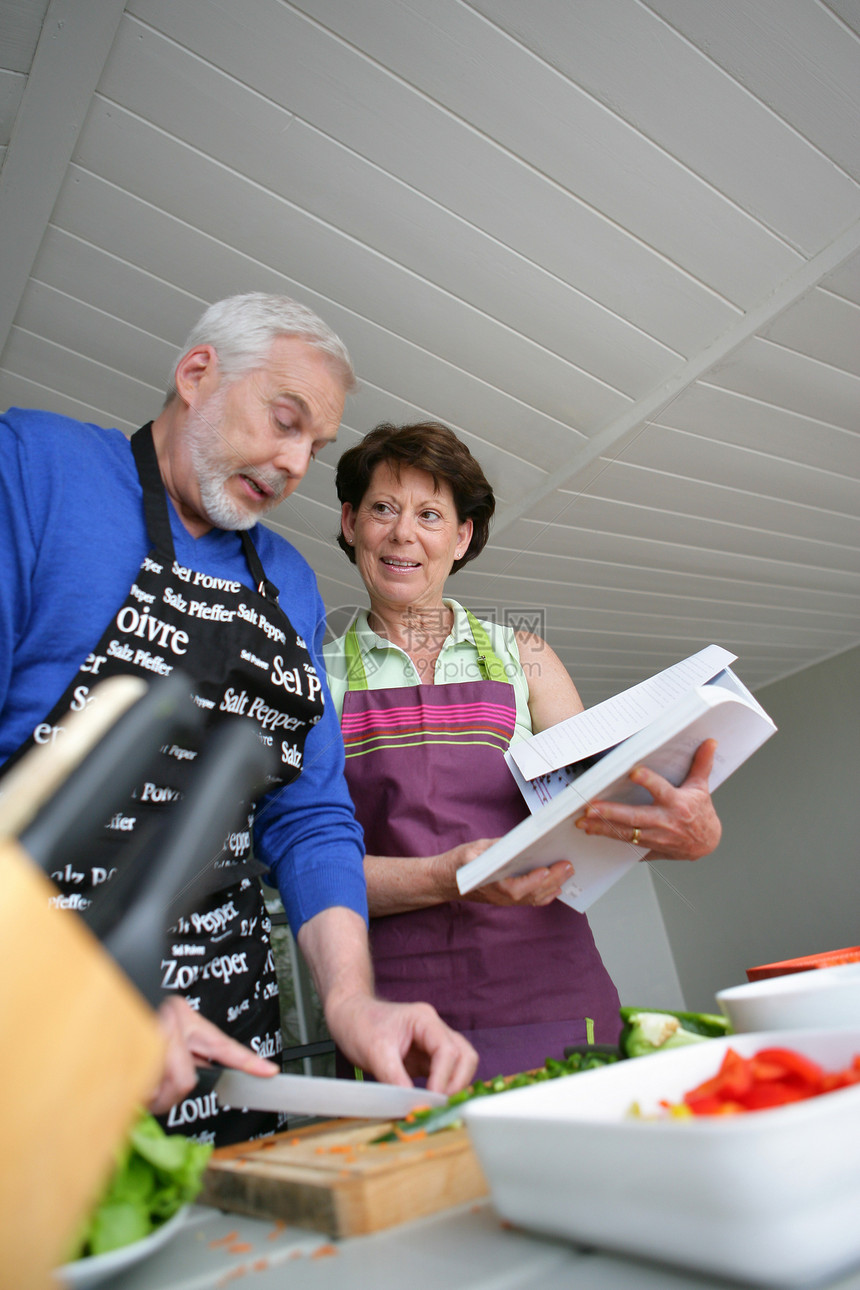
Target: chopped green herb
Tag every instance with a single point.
(432, 1119)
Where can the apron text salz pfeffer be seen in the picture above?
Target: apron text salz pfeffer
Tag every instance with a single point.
(243, 659)
(426, 770)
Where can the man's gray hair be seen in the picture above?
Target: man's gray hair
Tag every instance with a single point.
(242, 330)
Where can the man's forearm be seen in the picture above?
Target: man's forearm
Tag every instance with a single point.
(335, 946)
(394, 1042)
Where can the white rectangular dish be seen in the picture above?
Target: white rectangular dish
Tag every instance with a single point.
(770, 1197)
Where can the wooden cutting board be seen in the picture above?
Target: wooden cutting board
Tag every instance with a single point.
(330, 1177)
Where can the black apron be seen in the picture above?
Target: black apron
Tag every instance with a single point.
(243, 657)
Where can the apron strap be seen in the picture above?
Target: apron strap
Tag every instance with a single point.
(154, 497)
(489, 662)
(158, 517)
(356, 677)
(492, 668)
(265, 588)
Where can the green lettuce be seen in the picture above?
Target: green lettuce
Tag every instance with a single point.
(154, 1176)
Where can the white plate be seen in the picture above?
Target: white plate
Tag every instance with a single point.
(770, 1197)
(84, 1273)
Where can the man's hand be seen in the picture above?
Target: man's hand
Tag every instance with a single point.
(394, 1042)
(680, 825)
(397, 1042)
(191, 1041)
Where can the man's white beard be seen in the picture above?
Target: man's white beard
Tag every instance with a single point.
(205, 440)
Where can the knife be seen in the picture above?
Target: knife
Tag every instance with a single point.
(117, 733)
(314, 1095)
(41, 772)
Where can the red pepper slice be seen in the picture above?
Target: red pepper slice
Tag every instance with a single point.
(773, 1093)
(731, 1082)
(787, 1064)
(840, 1079)
(771, 1077)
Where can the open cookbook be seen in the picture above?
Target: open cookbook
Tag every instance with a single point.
(659, 723)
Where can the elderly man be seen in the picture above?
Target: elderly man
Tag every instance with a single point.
(145, 556)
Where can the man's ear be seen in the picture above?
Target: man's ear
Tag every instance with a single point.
(197, 374)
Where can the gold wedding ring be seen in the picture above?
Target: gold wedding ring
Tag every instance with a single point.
(635, 839)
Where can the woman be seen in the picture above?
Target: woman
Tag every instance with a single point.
(430, 698)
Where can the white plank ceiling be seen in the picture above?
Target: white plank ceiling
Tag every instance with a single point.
(614, 243)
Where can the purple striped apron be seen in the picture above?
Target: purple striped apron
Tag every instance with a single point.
(426, 770)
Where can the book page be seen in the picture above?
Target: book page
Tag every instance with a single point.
(614, 720)
(542, 789)
(720, 711)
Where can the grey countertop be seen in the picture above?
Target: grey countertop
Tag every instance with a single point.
(468, 1248)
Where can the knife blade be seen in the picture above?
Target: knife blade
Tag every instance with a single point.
(316, 1095)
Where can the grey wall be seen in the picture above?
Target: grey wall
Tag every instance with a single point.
(631, 935)
(785, 879)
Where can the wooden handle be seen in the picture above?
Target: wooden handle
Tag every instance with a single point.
(81, 1053)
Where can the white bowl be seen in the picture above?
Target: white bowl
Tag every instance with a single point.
(822, 998)
(84, 1274)
(768, 1197)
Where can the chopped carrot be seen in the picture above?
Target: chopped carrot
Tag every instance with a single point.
(233, 1275)
(414, 1113)
(224, 1240)
(410, 1137)
(324, 1252)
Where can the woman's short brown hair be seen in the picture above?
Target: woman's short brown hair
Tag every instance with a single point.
(428, 446)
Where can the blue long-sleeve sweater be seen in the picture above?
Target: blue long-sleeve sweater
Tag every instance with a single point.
(72, 538)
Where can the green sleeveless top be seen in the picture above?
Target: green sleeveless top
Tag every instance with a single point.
(475, 650)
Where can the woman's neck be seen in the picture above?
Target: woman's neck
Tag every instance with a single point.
(420, 631)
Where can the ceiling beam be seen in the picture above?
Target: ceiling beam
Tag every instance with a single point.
(577, 473)
(74, 43)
